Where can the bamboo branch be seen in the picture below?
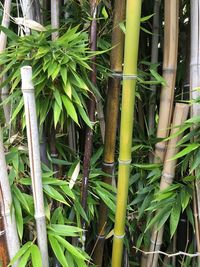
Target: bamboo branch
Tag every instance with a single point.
(35, 164)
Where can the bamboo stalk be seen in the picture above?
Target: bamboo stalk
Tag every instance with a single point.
(133, 13)
(111, 118)
(195, 94)
(55, 17)
(8, 211)
(6, 107)
(154, 59)
(3, 41)
(180, 115)
(91, 112)
(169, 74)
(4, 257)
(35, 164)
(27, 8)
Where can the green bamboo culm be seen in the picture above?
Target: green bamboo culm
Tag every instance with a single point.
(133, 13)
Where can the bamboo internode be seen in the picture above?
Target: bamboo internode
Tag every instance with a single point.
(180, 115)
(169, 74)
(35, 163)
(133, 13)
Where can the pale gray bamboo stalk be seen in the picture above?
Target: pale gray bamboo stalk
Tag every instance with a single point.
(3, 41)
(6, 107)
(9, 216)
(55, 10)
(168, 174)
(35, 163)
(154, 59)
(27, 10)
(5, 23)
(195, 78)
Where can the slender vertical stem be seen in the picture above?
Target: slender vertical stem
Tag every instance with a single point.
(194, 84)
(169, 74)
(111, 117)
(154, 59)
(35, 163)
(4, 257)
(133, 13)
(8, 211)
(180, 115)
(55, 17)
(91, 110)
(3, 41)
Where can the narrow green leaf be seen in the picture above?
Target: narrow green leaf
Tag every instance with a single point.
(36, 256)
(58, 250)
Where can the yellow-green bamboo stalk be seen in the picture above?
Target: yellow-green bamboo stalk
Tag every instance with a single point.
(133, 13)
(180, 115)
(169, 74)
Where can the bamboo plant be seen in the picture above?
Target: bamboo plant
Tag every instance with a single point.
(169, 74)
(180, 115)
(8, 211)
(35, 164)
(112, 107)
(133, 13)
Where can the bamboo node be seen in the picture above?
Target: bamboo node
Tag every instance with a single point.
(119, 236)
(2, 232)
(124, 76)
(108, 164)
(168, 177)
(100, 237)
(54, 155)
(124, 162)
(155, 243)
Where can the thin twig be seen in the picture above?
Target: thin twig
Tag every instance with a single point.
(168, 255)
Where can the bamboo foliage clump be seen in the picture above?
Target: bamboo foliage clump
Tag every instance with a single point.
(35, 164)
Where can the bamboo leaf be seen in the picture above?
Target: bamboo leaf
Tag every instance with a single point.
(70, 108)
(74, 251)
(36, 256)
(58, 251)
(21, 252)
(174, 218)
(185, 151)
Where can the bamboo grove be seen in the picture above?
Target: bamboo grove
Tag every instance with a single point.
(99, 133)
